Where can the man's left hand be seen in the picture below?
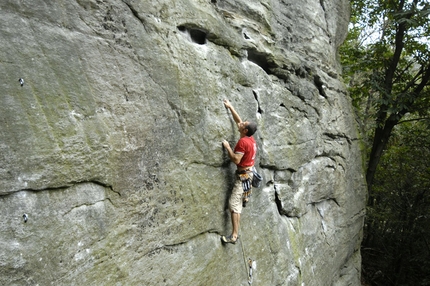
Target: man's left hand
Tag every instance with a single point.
(225, 144)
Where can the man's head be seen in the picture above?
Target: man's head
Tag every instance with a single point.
(252, 127)
(247, 128)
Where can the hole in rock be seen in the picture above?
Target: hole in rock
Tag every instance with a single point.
(260, 59)
(197, 36)
(320, 86)
(182, 29)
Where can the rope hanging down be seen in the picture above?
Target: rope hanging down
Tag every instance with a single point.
(249, 265)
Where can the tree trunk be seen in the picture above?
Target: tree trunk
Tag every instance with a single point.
(380, 141)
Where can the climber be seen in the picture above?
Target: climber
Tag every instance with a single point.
(243, 156)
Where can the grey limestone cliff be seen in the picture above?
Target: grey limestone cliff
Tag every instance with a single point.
(111, 149)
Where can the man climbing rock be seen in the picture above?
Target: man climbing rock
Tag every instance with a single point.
(243, 156)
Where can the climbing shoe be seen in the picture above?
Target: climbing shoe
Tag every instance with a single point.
(229, 239)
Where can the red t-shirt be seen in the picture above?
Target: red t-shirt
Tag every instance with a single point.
(246, 146)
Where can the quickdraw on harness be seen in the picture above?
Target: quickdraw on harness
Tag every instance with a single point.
(246, 185)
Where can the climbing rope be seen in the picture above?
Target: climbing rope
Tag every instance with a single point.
(248, 264)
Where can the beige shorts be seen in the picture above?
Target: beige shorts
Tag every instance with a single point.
(236, 198)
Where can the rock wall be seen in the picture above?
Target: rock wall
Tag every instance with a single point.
(112, 146)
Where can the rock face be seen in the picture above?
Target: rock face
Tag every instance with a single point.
(112, 151)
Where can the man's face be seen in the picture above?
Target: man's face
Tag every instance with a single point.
(243, 127)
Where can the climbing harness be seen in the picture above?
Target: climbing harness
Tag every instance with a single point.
(246, 185)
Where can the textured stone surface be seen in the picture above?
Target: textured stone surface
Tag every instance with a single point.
(112, 147)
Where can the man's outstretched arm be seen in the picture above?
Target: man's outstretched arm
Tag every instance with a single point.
(236, 116)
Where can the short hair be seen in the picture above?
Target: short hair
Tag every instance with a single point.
(252, 127)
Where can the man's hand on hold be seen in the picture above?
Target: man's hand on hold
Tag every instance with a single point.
(234, 157)
(227, 104)
(225, 144)
(236, 116)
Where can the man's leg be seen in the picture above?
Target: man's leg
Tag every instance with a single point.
(235, 221)
(235, 205)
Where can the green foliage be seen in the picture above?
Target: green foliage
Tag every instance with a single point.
(386, 66)
(396, 249)
(386, 37)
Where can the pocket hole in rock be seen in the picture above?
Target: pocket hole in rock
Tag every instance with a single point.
(197, 36)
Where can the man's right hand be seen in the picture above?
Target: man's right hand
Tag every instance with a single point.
(227, 104)
(236, 116)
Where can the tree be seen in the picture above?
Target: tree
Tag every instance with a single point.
(386, 64)
(386, 59)
(396, 250)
